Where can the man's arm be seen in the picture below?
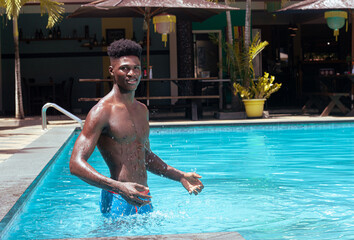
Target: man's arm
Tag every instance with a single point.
(84, 146)
(190, 181)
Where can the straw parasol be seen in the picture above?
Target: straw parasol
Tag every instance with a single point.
(193, 10)
(319, 5)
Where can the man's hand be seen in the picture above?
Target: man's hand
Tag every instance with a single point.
(191, 182)
(135, 194)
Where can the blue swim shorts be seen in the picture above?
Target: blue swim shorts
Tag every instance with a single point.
(114, 205)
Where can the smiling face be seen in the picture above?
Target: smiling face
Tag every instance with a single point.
(126, 72)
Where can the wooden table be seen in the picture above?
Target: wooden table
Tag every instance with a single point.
(154, 79)
(331, 89)
(351, 113)
(315, 98)
(173, 80)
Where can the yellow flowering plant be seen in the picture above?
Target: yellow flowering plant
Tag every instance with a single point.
(258, 89)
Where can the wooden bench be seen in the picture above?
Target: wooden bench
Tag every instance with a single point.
(193, 106)
(315, 98)
(158, 98)
(194, 99)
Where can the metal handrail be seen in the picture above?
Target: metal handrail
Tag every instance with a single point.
(60, 109)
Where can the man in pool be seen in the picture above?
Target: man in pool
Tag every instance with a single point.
(119, 126)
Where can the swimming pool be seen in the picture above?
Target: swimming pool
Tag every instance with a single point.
(265, 182)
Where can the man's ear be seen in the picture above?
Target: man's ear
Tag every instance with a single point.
(110, 69)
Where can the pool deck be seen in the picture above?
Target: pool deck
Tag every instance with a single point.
(25, 149)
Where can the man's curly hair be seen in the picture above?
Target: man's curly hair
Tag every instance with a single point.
(124, 47)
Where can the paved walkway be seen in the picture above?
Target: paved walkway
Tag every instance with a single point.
(15, 134)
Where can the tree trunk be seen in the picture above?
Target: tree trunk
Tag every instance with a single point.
(19, 114)
(229, 27)
(236, 103)
(248, 24)
(247, 39)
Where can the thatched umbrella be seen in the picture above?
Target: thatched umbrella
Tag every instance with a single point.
(320, 5)
(192, 10)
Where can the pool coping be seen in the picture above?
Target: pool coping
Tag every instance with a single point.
(18, 175)
(256, 121)
(189, 236)
(17, 180)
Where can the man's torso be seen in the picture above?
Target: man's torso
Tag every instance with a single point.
(123, 142)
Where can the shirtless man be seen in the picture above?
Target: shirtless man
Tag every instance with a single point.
(119, 126)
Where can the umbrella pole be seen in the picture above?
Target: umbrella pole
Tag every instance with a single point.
(148, 61)
(352, 61)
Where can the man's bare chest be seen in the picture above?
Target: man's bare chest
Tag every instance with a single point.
(127, 129)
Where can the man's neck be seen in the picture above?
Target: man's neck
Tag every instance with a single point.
(123, 95)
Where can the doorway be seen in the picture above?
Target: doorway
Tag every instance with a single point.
(207, 55)
(208, 63)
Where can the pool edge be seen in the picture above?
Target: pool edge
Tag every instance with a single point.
(250, 122)
(21, 175)
(188, 236)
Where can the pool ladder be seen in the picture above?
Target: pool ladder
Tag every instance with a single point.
(60, 109)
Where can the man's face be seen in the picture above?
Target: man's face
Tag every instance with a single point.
(126, 72)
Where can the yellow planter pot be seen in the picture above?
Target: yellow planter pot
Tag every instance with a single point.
(254, 107)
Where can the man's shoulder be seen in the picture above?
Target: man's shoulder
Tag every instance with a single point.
(101, 109)
(142, 107)
(102, 105)
(140, 104)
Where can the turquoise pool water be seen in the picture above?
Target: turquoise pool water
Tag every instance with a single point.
(265, 182)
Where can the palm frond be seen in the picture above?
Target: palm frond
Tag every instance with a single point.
(54, 10)
(256, 49)
(239, 61)
(12, 8)
(256, 46)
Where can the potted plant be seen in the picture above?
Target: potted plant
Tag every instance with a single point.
(253, 92)
(256, 93)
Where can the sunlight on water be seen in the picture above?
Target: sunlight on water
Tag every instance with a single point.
(265, 182)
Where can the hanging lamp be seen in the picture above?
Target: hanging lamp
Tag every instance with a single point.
(336, 20)
(164, 24)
